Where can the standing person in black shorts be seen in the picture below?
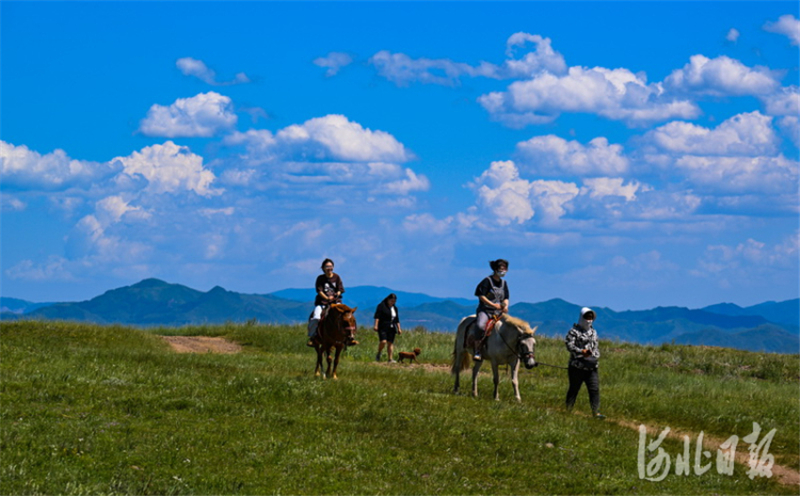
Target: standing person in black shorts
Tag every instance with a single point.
(387, 325)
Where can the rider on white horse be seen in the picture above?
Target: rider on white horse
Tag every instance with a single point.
(492, 293)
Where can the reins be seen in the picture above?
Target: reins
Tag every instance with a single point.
(537, 362)
(554, 366)
(516, 353)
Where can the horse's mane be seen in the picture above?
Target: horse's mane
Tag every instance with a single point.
(341, 307)
(520, 324)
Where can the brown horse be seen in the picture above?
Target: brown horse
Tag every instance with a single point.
(333, 331)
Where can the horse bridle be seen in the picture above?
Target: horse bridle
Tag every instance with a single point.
(522, 356)
(350, 328)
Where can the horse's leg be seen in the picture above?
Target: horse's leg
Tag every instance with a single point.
(319, 361)
(515, 378)
(475, 369)
(496, 378)
(330, 361)
(457, 351)
(336, 361)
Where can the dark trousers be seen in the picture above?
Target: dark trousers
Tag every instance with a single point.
(576, 378)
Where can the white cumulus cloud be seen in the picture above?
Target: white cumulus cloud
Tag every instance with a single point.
(785, 101)
(786, 25)
(411, 182)
(602, 187)
(54, 268)
(169, 168)
(197, 68)
(325, 156)
(511, 199)
(552, 198)
(402, 69)
(331, 138)
(553, 155)
(503, 193)
(10, 204)
(616, 94)
(733, 35)
(721, 76)
(543, 58)
(334, 61)
(203, 115)
(740, 174)
(748, 134)
(750, 255)
(22, 167)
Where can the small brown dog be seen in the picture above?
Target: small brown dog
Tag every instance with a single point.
(410, 356)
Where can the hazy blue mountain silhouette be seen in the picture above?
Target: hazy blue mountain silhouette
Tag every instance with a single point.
(767, 337)
(770, 326)
(784, 312)
(15, 305)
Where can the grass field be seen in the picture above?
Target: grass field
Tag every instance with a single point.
(113, 410)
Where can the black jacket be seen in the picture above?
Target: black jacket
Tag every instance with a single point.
(384, 315)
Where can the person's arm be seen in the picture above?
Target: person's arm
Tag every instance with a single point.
(320, 286)
(375, 328)
(596, 351)
(488, 302)
(397, 320)
(569, 341)
(505, 306)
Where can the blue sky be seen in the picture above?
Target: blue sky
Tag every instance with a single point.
(624, 154)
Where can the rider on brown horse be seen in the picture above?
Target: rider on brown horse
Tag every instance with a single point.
(329, 291)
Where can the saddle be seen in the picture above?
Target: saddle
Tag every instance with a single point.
(471, 335)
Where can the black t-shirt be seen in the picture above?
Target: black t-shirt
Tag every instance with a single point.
(492, 291)
(327, 286)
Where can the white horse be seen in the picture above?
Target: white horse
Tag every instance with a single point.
(511, 342)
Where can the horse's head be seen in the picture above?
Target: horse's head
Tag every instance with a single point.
(344, 315)
(526, 343)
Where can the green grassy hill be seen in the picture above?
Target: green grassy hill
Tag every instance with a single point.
(112, 410)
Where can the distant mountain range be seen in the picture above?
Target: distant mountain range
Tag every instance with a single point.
(770, 326)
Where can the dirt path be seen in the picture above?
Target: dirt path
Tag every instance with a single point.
(201, 344)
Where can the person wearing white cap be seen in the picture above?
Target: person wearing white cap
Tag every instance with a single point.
(584, 353)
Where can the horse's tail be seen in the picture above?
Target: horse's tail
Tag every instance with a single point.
(461, 359)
